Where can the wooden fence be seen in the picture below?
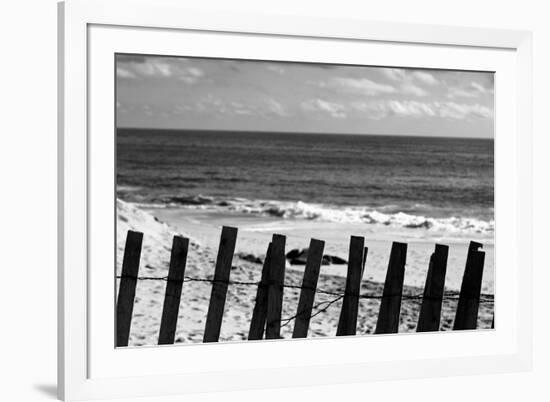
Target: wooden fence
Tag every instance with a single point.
(266, 316)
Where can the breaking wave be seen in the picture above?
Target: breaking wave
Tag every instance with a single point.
(388, 216)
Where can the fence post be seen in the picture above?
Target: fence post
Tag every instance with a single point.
(347, 324)
(365, 252)
(470, 291)
(127, 287)
(275, 287)
(309, 285)
(219, 287)
(364, 263)
(172, 296)
(390, 307)
(430, 311)
(257, 323)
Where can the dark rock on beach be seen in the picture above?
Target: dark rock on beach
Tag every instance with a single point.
(332, 259)
(250, 258)
(295, 253)
(299, 257)
(295, 257)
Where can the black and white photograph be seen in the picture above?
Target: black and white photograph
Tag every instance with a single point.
(262, 200)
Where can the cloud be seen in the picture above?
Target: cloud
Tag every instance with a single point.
(471, 90)
(276, 68)
(425, 77)
(189, 75)
(156, 67)
(395, 74)
(411, 108)
(409, 75)
(213, 103)
(408, 108)
(183, 108)
(411, 89)
(455, 92)
(362, 86)
(410, 81)
(335, 110)
(243, 112)
(276, 107)
(124, 73)
(478, 87)
(153, 68)
(373, 110)
(147, 110)
(461, 111)
(195, 72)
(377, 110)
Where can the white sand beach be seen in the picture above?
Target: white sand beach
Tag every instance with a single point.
(204, 228)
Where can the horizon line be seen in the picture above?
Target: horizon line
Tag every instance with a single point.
(301, 132)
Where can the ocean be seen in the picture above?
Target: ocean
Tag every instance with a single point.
(442, 185)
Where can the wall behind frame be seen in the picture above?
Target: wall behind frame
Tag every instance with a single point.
(28, 164)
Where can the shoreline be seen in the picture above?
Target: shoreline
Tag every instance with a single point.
(255, 234)
(240, 299)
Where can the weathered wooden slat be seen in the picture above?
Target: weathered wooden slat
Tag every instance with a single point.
(390, 307)
(127, 287)
(219, 287)
(309, 285)
(259, 314)
(347, 324)
(275, 287)
(470, 291)
(365, 252)
(172, 296)
(432, 300)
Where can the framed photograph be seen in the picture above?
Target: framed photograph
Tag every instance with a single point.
(251, 201)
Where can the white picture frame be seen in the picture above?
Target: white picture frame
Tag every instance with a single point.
(89, 366)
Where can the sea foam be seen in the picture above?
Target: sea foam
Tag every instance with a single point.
(332, 213)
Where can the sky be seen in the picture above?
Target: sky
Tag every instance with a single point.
(222, 94)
